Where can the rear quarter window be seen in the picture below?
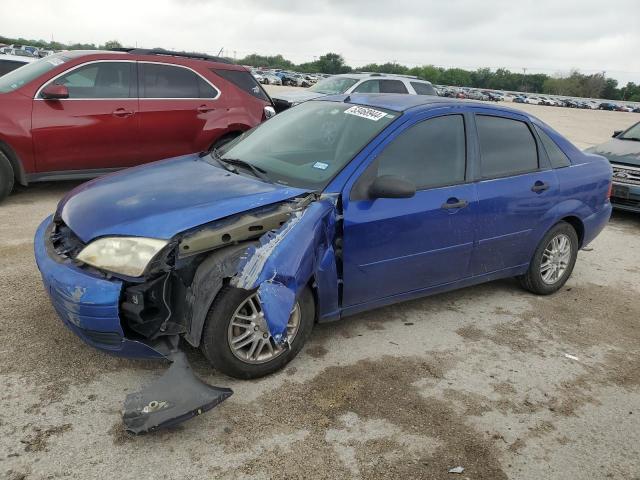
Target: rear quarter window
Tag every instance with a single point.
(244, 81)
(556, 156)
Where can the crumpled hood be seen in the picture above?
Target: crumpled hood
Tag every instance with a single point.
(295, 96)
(619, 151)
(162, 199)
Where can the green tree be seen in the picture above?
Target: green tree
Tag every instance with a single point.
(112, 44)
(332, 63)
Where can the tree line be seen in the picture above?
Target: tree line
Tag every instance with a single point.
(575, 84)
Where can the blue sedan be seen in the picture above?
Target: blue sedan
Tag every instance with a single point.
(331, 208)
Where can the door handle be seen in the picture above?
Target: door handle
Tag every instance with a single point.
(454, 203)
(122, 113)
(539, 187)
(205, 109)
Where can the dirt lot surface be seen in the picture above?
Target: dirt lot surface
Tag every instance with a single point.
(490, 378)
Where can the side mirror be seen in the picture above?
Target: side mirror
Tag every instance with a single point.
(616, 133)
(390, 186)
(54, 92)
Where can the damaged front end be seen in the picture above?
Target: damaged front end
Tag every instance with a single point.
(276, 250)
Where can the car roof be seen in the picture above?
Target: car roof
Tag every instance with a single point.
(363, 75)
(157, 55)
(401, 102)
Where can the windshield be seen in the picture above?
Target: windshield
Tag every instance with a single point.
(632, 134)
(306, 146)
(333, 85)
(23, 75)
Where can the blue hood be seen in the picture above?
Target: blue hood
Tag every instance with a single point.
(162, 199)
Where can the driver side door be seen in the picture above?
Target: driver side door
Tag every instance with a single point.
(394, 246)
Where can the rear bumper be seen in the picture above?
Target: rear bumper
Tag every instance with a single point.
(595, 223)
(88, 305)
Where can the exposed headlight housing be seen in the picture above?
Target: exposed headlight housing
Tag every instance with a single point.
(125, 255)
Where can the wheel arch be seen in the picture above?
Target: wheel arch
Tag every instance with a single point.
(577, 225)
(18, 170)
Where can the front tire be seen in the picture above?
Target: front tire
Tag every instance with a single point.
(7, 176)
(553, 260)
(236, 340)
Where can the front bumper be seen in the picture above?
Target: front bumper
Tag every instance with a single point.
(625, 196)
(87, 304)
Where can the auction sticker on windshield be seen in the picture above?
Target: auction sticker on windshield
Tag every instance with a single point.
(364, 112)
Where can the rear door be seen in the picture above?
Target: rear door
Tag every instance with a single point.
(516, 188)
(96, 127)
(177, 105)
(399, 245)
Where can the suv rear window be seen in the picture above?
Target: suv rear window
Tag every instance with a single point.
(244, 81)
(423, 88)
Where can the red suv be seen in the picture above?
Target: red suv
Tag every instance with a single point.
(79, 114)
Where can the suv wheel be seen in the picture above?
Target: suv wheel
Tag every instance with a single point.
(6, 176)
(236, 338)
(553, 260)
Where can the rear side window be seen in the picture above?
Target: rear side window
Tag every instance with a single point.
(168, 81)
(99, 80)
(429, 154)
(423, 88)
(244, 81)
(507, 147)
(556, 156)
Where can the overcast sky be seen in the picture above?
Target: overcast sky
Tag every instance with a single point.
(549, 36)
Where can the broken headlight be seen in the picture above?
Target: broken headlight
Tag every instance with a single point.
(125, 255)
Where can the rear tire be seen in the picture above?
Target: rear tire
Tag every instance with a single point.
(7, 176)
(220, 343)
(553, 260)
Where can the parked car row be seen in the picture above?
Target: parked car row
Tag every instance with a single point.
(25, 51)
(80, 114)
(349, 83)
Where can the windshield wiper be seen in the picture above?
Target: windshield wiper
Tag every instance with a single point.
(257, 171)
(635, 139)
(216, 156)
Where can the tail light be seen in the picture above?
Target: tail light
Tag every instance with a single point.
(609, 190)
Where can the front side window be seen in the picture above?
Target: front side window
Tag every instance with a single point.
(168, 81)
(429, 154)
(507, 147)
(308, 145)
(98, 80)
(333, 85)
(556, 156)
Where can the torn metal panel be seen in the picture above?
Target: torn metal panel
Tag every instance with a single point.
(287, 259)
(177, 396)
(235, 229)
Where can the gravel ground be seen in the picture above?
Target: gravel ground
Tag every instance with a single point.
(478, 378)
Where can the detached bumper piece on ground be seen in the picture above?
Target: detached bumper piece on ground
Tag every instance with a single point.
(177, 396)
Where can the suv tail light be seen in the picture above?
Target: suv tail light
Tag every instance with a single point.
(269, 112)
(609, 190)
